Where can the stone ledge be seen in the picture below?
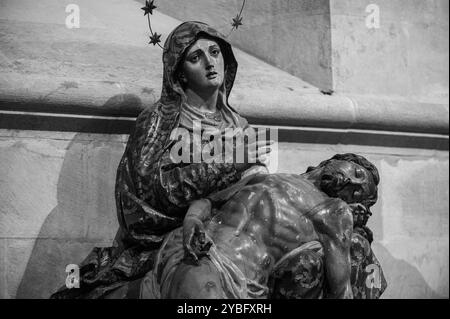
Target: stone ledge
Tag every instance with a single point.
(258, 105)
(53, 123)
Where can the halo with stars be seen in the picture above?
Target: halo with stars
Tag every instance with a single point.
(155, 38)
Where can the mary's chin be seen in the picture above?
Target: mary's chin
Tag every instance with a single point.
(213, 83)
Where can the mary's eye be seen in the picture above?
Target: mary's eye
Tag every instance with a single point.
(194, 58)
(215, 52)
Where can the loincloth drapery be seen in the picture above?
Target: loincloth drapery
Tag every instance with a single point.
(235, 285)
(299, 274)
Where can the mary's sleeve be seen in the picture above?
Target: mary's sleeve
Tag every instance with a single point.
(137, 173)
(184, 183)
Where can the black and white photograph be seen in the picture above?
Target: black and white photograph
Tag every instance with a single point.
(246, 150)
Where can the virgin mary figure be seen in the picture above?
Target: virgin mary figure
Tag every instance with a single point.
(152, 191)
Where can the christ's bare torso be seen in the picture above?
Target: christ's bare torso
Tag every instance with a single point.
(267, 219)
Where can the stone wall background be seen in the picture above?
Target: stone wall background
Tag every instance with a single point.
(327, 42)
(407, 56)
(57, 176)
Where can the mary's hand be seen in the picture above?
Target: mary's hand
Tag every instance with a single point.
(248, 149)
(195, 242)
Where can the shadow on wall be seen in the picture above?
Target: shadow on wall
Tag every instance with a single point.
(404, 280)
(85, 215)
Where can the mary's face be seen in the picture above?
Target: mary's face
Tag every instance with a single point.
(203, 66)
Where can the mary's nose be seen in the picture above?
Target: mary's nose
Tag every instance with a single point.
(209, 62)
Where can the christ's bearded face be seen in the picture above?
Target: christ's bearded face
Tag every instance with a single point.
(348, 181)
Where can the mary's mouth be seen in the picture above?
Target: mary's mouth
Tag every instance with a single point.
(211, 75)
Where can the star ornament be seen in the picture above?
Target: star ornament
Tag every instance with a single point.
(237, 21)
(155, 38)
(149, 6)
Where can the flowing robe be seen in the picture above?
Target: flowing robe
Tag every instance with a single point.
(152, 194)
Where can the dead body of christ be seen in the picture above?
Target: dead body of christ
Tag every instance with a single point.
(266, 219)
